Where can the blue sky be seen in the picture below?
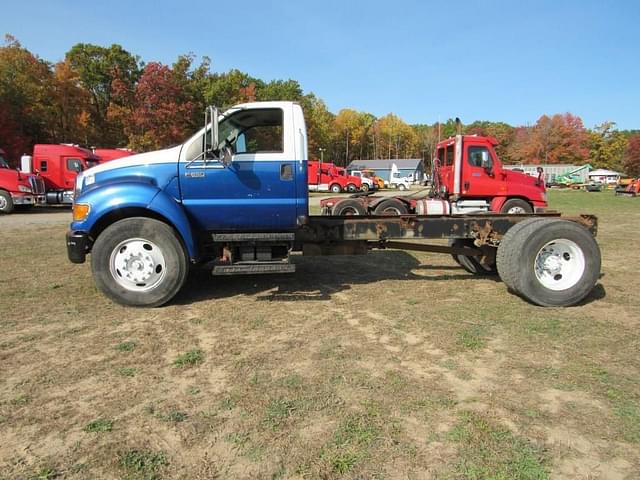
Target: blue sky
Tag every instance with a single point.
(424, 61)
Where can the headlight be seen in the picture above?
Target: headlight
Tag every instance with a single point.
(24, 189)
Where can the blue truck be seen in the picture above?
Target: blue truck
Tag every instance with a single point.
(234, 198)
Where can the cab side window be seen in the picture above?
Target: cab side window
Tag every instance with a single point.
(479, 157)
(449, 159)
(441, 156)
(74, 165)
(260, 131)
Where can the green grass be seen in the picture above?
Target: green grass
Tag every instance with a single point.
(126, 346)
(189, 359)
(99, 425)
(142, 464)
(488, 451)
(127, 371)
(472, 338)
(278, 411)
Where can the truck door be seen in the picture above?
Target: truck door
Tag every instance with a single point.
(480, 172)
(71, 167)
(446, 154)
(258, 190)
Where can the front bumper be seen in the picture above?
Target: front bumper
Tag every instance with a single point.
(77, 246)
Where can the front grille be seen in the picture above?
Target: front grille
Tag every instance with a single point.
(37, 185)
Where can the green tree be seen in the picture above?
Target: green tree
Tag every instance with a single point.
(98, 69)
(608, 146)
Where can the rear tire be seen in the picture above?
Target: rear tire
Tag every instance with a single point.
(401, 187)
(335, 188)
(516, 206)
(551, 263)
(6, 202)
(349, 206)
(391, 207)
(351, 188)
(364, 187)
(139, 262)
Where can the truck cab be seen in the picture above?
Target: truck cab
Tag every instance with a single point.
(59, 165)
(353, 182)
(367, 182)
(468, 169)
(17, 188)
(322, 177)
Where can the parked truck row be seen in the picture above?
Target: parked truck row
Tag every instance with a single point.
(234, 198)
(48, 175)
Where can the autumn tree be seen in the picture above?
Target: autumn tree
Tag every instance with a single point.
(397, 139)
(561, 138)
(163, 112)
(501, 131)
(608, 146)
(71, 104)
(632, 156)
(103, 71)
(25, 99)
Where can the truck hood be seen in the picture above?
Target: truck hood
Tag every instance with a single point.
(10, 178)
(521, 178)
(168, 155)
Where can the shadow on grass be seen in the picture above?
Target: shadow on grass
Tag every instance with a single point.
(318, 278)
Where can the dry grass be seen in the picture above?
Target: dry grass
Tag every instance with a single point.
(394, 365)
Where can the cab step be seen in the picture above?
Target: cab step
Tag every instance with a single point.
(253, 268)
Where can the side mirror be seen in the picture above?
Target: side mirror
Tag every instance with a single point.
(211, 116)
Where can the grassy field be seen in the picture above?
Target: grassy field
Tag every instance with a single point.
(393, 365)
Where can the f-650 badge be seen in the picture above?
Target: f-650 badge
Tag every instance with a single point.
(194, 174)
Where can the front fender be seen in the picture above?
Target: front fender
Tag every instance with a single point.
(120, 197)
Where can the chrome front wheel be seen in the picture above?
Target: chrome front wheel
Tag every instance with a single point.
(137, 264)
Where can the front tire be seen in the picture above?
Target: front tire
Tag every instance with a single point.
(335, 188)
(516, 206)
(351, 188)
(6, 202)
(364, 187)
(550, 262)
(139, 262)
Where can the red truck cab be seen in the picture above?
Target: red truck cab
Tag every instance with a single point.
(323, 177)
(353, 183)
(468, 168)
(17, 188)
(59, 166)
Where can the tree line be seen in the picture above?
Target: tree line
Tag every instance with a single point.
(108, 97)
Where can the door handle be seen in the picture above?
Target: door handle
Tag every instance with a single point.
(466, 185)
(286, 172)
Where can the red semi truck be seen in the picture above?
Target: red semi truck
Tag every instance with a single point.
(468, 178)
(326, 177)
(58, 166)
(17, 188)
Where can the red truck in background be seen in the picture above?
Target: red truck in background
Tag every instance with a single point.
(17, 188)
(468, 178)
(326, 177)
(354, 183)
(58, 166)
